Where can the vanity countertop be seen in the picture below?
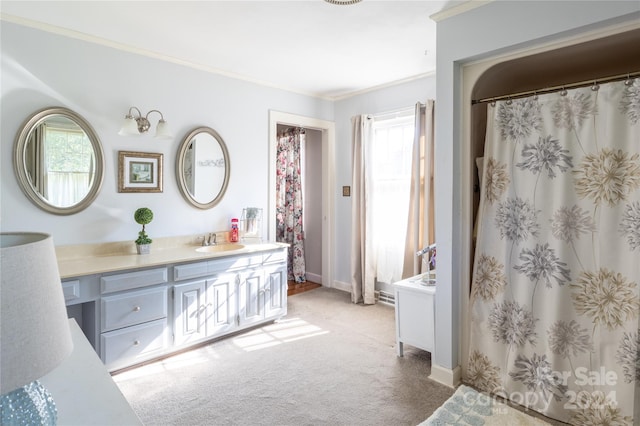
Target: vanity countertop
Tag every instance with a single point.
(415, 283)
(88, 259)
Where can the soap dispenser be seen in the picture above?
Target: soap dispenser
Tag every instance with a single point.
(233, 235)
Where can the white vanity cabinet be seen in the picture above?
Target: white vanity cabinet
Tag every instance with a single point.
(263, 292)
(204, 308)
(139, 314)
(415, 315)
(133, 317)
(234, 293)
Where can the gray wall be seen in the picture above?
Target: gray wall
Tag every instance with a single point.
(41, 69)
(386, 99)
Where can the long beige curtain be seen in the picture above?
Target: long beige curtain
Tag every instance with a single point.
(421, 224)
(363, 273)
(555, 298)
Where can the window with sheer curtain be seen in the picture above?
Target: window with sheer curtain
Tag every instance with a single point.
(69, 165)
(391, 183)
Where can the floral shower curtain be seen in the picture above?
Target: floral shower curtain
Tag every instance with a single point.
(289, 201)
(555, 294)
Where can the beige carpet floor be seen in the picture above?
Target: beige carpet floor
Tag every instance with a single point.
(328, 362)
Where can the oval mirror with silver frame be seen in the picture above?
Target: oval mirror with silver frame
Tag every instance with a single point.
(202, 168)
(58, 161)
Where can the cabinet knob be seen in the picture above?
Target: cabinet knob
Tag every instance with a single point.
(136, 309)
(136, 342)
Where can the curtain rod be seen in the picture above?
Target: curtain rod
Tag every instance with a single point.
(399, 111)
(558, 88)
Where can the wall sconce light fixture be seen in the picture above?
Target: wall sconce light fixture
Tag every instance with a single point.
(135, 126)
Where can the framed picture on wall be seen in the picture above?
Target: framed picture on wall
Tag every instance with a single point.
(139, 172)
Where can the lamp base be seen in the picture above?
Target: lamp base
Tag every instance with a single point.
(31, 404)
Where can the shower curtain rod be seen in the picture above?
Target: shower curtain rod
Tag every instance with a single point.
(558, 88)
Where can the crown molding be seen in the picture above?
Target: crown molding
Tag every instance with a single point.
(458, 9)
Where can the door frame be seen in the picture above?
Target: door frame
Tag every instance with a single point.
(328, 129)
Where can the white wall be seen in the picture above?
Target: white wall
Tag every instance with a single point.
(41, 69)
(497, 27)
(386, 99)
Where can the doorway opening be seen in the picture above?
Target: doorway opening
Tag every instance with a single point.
(320, 161)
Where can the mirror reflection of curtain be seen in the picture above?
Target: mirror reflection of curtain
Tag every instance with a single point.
(67, 188)
(289, 204)
(188, 165)
(35, 160)
(421, 223)
(555, 300)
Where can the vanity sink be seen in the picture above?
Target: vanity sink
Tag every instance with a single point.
(219, 248)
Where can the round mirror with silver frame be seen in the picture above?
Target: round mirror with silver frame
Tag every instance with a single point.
(203, 168)
(58, 161)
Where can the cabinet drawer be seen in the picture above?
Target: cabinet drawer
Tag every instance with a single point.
(192, 270)
(139, 342)
(224, 264)
(133, 308)
(227, 264)
(71, 290)
(131, 280)
(275, 256)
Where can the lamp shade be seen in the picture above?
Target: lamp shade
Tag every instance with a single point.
(162, 130)
(129, 127)
(34, 329)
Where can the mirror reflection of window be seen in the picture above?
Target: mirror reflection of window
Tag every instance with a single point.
(61, 162)
(209, 169)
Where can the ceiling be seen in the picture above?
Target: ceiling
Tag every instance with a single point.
(306, 46)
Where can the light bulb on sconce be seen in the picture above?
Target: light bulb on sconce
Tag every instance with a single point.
(135, 126)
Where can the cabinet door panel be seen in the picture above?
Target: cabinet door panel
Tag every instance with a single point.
(415, 318)
(189, 311)
(221, 304)
(251, 297)
(275, 291)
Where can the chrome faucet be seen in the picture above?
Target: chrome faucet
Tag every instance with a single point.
(430, 251)
(426, 250)
(211, 241)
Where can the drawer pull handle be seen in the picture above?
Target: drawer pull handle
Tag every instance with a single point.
(136, 309)
(136, 342)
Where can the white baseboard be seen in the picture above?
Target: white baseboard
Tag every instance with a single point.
(445, 376)
(342, 286)
(314, 278)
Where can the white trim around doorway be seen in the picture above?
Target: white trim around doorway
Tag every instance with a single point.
(328, 181)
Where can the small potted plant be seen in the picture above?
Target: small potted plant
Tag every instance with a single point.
(143, 216)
